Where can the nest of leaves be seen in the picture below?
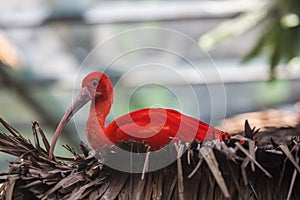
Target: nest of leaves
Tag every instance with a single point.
(249, 165)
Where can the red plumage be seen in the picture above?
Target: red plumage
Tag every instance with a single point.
(154, 126)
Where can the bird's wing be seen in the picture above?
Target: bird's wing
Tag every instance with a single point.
(147, 125)
(157, 126)
(193, 129)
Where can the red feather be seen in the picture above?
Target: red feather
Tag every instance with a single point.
(154, 126)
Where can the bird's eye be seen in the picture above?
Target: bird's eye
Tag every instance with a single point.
(95, 83)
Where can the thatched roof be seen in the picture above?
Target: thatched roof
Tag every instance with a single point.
(262, 119)
(249, 165)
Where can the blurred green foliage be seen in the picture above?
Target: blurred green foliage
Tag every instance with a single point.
(280, 39)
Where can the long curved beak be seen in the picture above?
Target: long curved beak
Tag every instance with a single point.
(83, 98)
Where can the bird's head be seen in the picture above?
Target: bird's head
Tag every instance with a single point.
(96, 87)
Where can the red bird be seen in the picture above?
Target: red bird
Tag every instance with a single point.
(154, 126)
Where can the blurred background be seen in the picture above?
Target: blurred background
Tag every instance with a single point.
(209, 59)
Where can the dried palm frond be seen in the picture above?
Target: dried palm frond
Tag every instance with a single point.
(208, 170)
(262, 119)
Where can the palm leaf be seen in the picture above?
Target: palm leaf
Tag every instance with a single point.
(280, 41)
(234, 27)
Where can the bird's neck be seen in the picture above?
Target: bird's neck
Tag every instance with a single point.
(95, 130)
(99, 110)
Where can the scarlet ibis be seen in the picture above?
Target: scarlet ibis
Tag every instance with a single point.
(156, 127)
